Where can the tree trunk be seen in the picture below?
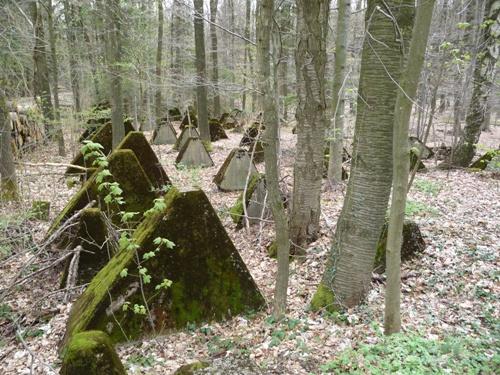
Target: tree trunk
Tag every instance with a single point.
(69, 16)
(311, 121)
(271, 145)
(201, 70)
(214, 52)
(159, 52)
(247, 53)
(113, 12)
(483, 74)
(337, 128)
(41, 72)
(401, 163)
(350, 261)
(55, 75)
(8, 181)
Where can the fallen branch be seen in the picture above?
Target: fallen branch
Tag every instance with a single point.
(83, 169)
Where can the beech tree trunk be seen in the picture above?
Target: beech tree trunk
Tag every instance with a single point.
(337, 128)
(310, 60)
(213, 53)
(69, 17)
(201, 70)
(271, 146)
(347, 276)
(8, 181)
(113, 12)
(484, 69)
(247, 56)
(401, 161)
(159, 52)
(55, 74)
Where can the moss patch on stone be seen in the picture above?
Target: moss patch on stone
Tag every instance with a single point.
(232, 175)
(236, 211)
(191, 368)
(103, 136)
(91, 353)
(137, 142)
(324, 298)
(412, 245)
(413, 162)
(484, 160)
(127, 171)
(209, 279)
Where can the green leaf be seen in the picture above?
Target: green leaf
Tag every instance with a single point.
(124, 272)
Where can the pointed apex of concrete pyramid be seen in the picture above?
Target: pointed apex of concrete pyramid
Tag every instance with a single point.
(194, 154)
(195, 276)
(186, 133)
(165, 134)
(233, 174)
(137, 142)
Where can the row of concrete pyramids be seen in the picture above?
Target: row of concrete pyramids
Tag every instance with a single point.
(209, 278)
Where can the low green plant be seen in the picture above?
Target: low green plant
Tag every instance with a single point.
(414, 208)
(411, 353)
(428, 187)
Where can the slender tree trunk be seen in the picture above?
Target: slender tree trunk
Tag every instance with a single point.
(484, 69)
(214, 52)
(55, 75)
(69, 16)
(159, 52)
(271, 145)
(8, 180)
(311, 121)
(41, 71)
(201, 70)
(401, 163)
(113, 12)
(247, 53)
(349, 266)
(337, 130)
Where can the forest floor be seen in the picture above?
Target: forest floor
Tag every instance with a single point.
(450, 292)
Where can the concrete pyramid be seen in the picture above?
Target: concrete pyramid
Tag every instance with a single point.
(194, 154)
(195, 276)
(232, 175)
(165, 134)
(186, 133)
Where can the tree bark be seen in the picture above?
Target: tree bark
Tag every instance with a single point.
(41, 83)
(213, 53)
(8, 180)
(55, 78)
(347, 276)
(401, 162)
(113, 12)
(337, 128)
(247, 55)
(201, 70)
(69, 16)
(484, 69)
(271, 146)
(311, 121)
(159, 52)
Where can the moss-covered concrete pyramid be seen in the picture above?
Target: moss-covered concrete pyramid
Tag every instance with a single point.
(203, 276)
(189, 119)
(233, 174)
(216, 130)
(103, 136)
(137, 142)
(186, 133)
(91, 353)
(194, 154)
(164, 135)
(97, 246)
(237, 211)
(126, 170)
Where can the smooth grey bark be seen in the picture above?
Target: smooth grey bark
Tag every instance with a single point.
(69, 18)
(401, 163)
(201, 71)
(338, 101)
(347, 276)
(271, 146)
(214, 54)
(247, 57)
(310, 60)
(55, 78)
(113, 14)
(8, 180)
(159, 52)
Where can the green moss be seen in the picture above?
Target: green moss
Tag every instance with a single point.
(272, 250)
(484, 160)
(236, 211)
(208, 145)
(8, 191)
(91, 353)
(190, 368)
(209, 279)
(126, 170)
(216, 130)
(324, 298)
